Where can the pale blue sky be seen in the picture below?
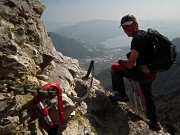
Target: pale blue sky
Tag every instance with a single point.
(74, 11)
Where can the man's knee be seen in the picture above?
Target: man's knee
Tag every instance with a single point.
(117, 66)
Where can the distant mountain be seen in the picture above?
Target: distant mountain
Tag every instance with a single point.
(53, 26)
(92, 32)
(72, 48)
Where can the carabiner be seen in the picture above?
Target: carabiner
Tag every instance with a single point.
(44, 111)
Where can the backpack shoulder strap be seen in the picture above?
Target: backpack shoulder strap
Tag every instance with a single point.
(152, 34)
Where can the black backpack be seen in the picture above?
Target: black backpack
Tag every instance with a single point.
(164, 51)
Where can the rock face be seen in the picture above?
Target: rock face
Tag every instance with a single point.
(27, 56)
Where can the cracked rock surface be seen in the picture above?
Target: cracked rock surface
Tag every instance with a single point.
(27, 56)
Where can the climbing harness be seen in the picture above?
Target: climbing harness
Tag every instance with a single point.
(43, 110)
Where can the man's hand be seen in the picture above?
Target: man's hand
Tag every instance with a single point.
(132, 59)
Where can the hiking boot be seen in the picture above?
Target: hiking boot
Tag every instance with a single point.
(157, 125)
(119, 97)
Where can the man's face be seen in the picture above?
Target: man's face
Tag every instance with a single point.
(130, 29)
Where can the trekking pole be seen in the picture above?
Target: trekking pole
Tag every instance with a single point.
(139, 98)
(136, 109)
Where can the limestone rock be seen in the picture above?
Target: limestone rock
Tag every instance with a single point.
(29, 59)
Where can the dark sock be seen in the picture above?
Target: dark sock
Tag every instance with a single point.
(123, 93)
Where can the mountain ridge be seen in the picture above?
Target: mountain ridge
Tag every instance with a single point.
(73, 48)
(92, 31)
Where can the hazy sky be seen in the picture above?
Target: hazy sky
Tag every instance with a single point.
(74, 11)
